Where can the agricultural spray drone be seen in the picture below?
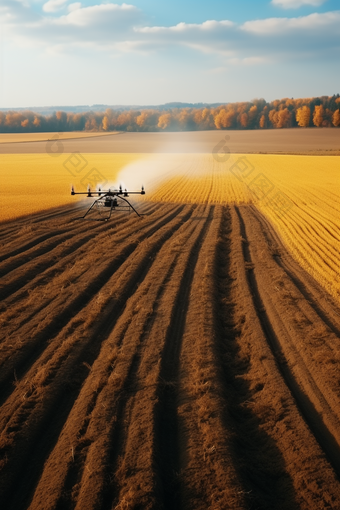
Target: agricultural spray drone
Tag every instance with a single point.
(108, 201)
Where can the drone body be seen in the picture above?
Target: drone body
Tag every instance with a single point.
(108, 201)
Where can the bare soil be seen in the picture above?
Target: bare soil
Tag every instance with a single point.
(319, 141)
(182, 360)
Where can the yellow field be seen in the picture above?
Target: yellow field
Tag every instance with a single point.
(299, 194)
(33, 182)
(40, 137)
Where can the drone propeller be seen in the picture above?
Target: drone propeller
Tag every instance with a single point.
(142, 191)
(72, 190)
(120, 189)
(126, 193)
(89, 191)
(99, 191)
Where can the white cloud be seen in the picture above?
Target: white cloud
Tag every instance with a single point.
(54, 5)
(101, 15)
(206, 26)
(328, 21)
(121, 28)
(295, 4)
(74, 6)
(247, 61)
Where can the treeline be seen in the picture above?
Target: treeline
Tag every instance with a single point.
(258, 114)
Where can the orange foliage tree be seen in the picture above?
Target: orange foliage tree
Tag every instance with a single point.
(225, 118)
(303, 116)
(281, 113)
(263, 122)
(318, 115)
(164, 120)
(336, 118)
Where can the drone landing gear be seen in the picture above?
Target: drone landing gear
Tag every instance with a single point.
(109, 204)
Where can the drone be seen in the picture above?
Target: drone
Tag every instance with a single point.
(108, 201)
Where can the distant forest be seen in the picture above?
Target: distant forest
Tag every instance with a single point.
(257, 114)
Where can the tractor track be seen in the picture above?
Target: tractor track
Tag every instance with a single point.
(168, 442)
(33, 349)
(119, 332)
(35, 267)
(87, 242)
(329, 443)
(62, 399)
(151, 363)
(311, 292)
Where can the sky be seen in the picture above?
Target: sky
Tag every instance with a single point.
(150, 52)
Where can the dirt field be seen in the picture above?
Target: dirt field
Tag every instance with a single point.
(321, 141)
(179, 361)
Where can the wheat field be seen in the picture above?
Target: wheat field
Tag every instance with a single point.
(41, 137)
(298, 194)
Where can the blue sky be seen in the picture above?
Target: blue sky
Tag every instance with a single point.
(65, 52)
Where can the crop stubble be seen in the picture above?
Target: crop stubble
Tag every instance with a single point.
(184, 360)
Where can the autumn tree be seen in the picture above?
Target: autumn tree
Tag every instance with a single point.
(284, 118)
(126, 120)
(208, 119)
(318, 115)
(336, 118)
(105, 123)
(263, 122)
(224, 119)
(164, 120)
(185, 119)
(303, 116)
(36, 122)
(14, 119)
(252, 115)
(273, 117)
(243, 119)
(142, 119)
(282, 113)
(280, 119)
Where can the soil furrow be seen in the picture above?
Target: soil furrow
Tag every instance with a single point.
(42, 427)
(168, 442)
(312, 417)
(26, 247)
(71, 225)
(206, 477)
(282, 259)
(183, 360)
(165, 426)
(150, 344)
(278, 460)
(128, 324)
(256, 457)
(311, 348)
(34, 268)
(22, 360)
(27, 255)
(11, 227)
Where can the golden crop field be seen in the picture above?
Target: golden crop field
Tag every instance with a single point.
(40, 137)
(35, 182)
(298, 194)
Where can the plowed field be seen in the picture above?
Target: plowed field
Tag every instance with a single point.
(182, 360)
